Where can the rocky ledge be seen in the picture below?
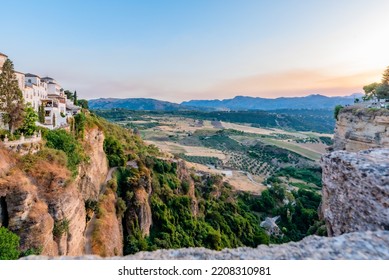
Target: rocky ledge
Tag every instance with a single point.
(355, 193)
(351, 246)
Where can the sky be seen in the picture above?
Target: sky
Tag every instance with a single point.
(179, 50)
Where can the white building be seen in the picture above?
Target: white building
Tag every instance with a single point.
(46, 91)
(3, 58)
(34, 90)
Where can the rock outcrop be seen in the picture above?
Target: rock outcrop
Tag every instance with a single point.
(139, 210)
(92, 174)
(361, 129)
(107, 236)
(40, 201)
(351, 246)
(355, 191)
(24, 213)
(184, 175)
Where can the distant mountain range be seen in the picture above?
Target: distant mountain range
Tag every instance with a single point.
(314, 101)
(134, 104)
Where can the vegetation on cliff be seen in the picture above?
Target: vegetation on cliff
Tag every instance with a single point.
(378, 90)
(221, 221)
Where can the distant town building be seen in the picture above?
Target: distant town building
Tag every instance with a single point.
(46, 93)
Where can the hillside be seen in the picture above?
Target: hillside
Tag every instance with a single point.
(298, 120)
(315, 101)
(135, 104)
(237, 103)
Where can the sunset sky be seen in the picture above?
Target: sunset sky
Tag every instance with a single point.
(200, 49)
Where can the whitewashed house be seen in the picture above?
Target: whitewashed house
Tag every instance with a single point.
(35, 90)
(46, 91)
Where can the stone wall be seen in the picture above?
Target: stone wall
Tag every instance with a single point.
(351, 246)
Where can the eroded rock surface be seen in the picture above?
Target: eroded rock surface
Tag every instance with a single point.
(361, 129)
(93, 173)
(355, 191)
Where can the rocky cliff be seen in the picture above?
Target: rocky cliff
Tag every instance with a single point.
(92, 173)
(42, 203)
(355, 191)
(360, 129)
(356, 175)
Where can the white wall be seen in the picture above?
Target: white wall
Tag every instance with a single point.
(2, 60)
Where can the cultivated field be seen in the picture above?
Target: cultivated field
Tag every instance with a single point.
(246, 156)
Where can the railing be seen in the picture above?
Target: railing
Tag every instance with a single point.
(37, 137)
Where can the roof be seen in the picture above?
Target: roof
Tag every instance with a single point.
(47, 78)
(32, 75)
(1, 54)
(18, 72)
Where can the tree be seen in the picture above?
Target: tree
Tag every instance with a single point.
(41, 113)
(54, 120)
(83, 103)
(370, 90)
(9, 245)
(385, 77)
(75, 98)
(69, 94)
(29, 126)
(11, 97)
(382, 91)
(114, 151)
(337, 110)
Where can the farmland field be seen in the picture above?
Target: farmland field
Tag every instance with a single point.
(244, 155)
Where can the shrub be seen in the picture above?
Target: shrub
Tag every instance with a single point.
(31, 251)
(79, 123)
(337, 110)
(114, 151)
(9, 245)
(120, 207)
(61, 227)
(61, 140)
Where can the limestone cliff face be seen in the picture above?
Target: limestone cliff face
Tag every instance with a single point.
(360, 129)
(43, 205)
(107, 236)
(92, 174)
(356, 184)
(355, 191)
(139, 210)
(24, 213)
(184, 175)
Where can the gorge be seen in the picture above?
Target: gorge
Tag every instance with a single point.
(49, 208)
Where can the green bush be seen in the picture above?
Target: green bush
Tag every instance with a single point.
(62, 140)
(120, 207)
(79, 123)
(31, 251)
(114, 151)
(337, 110)
(61, 227)
(9, 245)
